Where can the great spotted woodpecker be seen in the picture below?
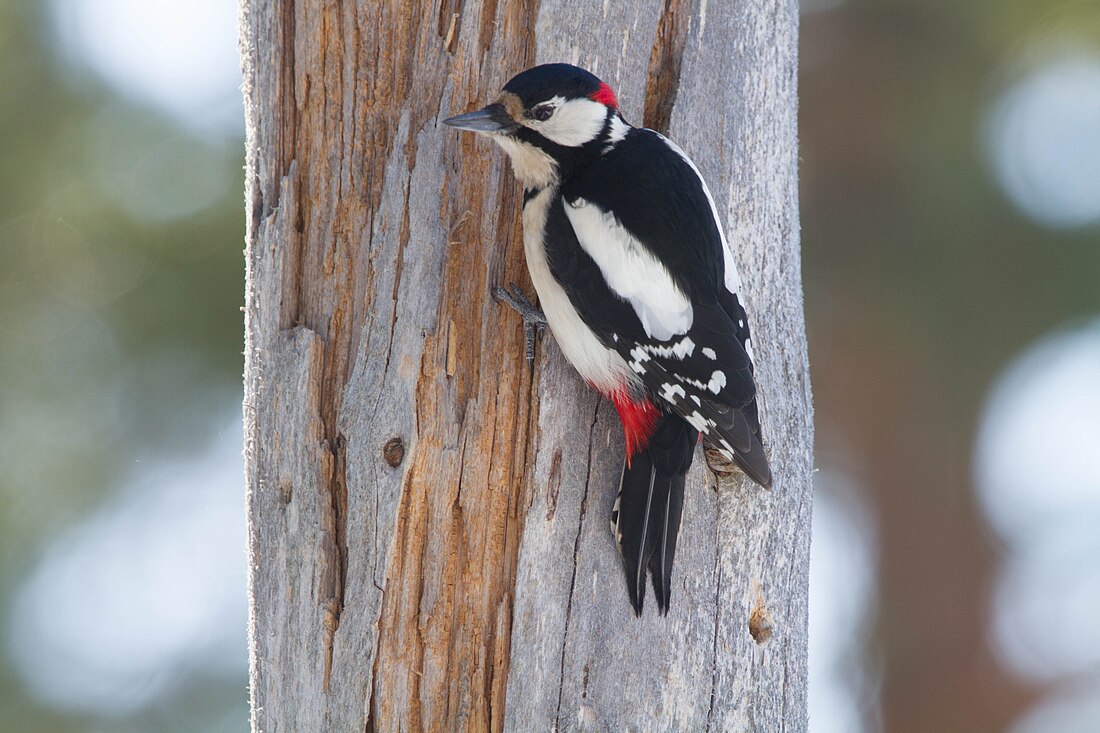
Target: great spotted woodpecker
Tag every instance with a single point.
(638, 285)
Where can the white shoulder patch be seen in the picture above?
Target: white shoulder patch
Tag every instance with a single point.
(732, 277)
(631, 271)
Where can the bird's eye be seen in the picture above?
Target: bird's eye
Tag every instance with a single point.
(543, 112)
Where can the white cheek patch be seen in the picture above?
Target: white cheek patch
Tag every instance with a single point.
(631, 271)
(573, 124)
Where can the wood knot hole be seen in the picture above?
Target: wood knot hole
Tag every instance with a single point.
(760, 622)
(394, 452)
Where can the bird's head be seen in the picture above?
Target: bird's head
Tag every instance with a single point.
(550, 119)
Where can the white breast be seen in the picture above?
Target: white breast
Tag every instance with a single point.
(603, 368)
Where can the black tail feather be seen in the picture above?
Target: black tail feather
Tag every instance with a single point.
(660, 562)
(647, 514)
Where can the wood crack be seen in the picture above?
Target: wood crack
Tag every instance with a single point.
(576, 553)
(460, 547)
(286, 143)
(450, 11)
(398, 269)
(663, 79)
(336, 552)
(717, 605)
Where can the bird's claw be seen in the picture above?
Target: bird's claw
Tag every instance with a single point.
(534, 321)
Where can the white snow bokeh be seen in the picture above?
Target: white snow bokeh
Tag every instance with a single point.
(1037, 471)
(180, 57)
(142, 593)
(842, 592)
(1043, 139)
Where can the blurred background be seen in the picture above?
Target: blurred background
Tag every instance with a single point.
(951, 238)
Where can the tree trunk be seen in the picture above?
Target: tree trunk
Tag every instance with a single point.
(428, 515)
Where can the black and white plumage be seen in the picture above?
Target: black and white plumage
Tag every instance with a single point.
(638, 284)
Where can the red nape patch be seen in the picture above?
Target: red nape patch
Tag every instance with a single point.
(639, 422)
(604, 95)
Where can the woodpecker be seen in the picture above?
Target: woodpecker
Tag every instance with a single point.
(638, 285)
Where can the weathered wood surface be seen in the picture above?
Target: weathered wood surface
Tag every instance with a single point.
(428, 516)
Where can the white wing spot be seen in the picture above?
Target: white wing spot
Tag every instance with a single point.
(709, 353)
(698, 422)
(717, 381)
(725, 449)
(685, 348)
(669, 392)
(682, 349)
(693, 382)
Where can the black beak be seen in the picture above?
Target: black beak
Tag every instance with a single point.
(493, 118)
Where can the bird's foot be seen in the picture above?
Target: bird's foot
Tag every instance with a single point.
(533, 319)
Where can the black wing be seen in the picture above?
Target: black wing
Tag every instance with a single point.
(703, 371)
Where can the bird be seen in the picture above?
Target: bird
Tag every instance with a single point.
(638, 285)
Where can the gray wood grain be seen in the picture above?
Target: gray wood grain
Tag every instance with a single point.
(428, 516)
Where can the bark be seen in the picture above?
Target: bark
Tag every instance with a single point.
(428, 515)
